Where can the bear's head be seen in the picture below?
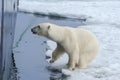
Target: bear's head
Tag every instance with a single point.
(41, 29)
(49, 30)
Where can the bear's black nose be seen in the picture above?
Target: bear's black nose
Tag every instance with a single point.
(32, 30)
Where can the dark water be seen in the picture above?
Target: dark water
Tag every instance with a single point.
(25, 44)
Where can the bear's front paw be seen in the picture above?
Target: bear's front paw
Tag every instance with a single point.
(71, 69)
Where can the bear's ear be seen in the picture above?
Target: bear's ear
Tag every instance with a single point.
(49, 27)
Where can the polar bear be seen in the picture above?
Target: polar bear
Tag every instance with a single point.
(80, 44)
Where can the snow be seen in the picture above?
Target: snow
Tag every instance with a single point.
(106, 65)
(93, 11)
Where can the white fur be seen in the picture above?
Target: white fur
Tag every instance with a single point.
(80, 44)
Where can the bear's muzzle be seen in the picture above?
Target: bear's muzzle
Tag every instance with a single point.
(33, 31)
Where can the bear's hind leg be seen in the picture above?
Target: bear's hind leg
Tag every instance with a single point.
(85, 59)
